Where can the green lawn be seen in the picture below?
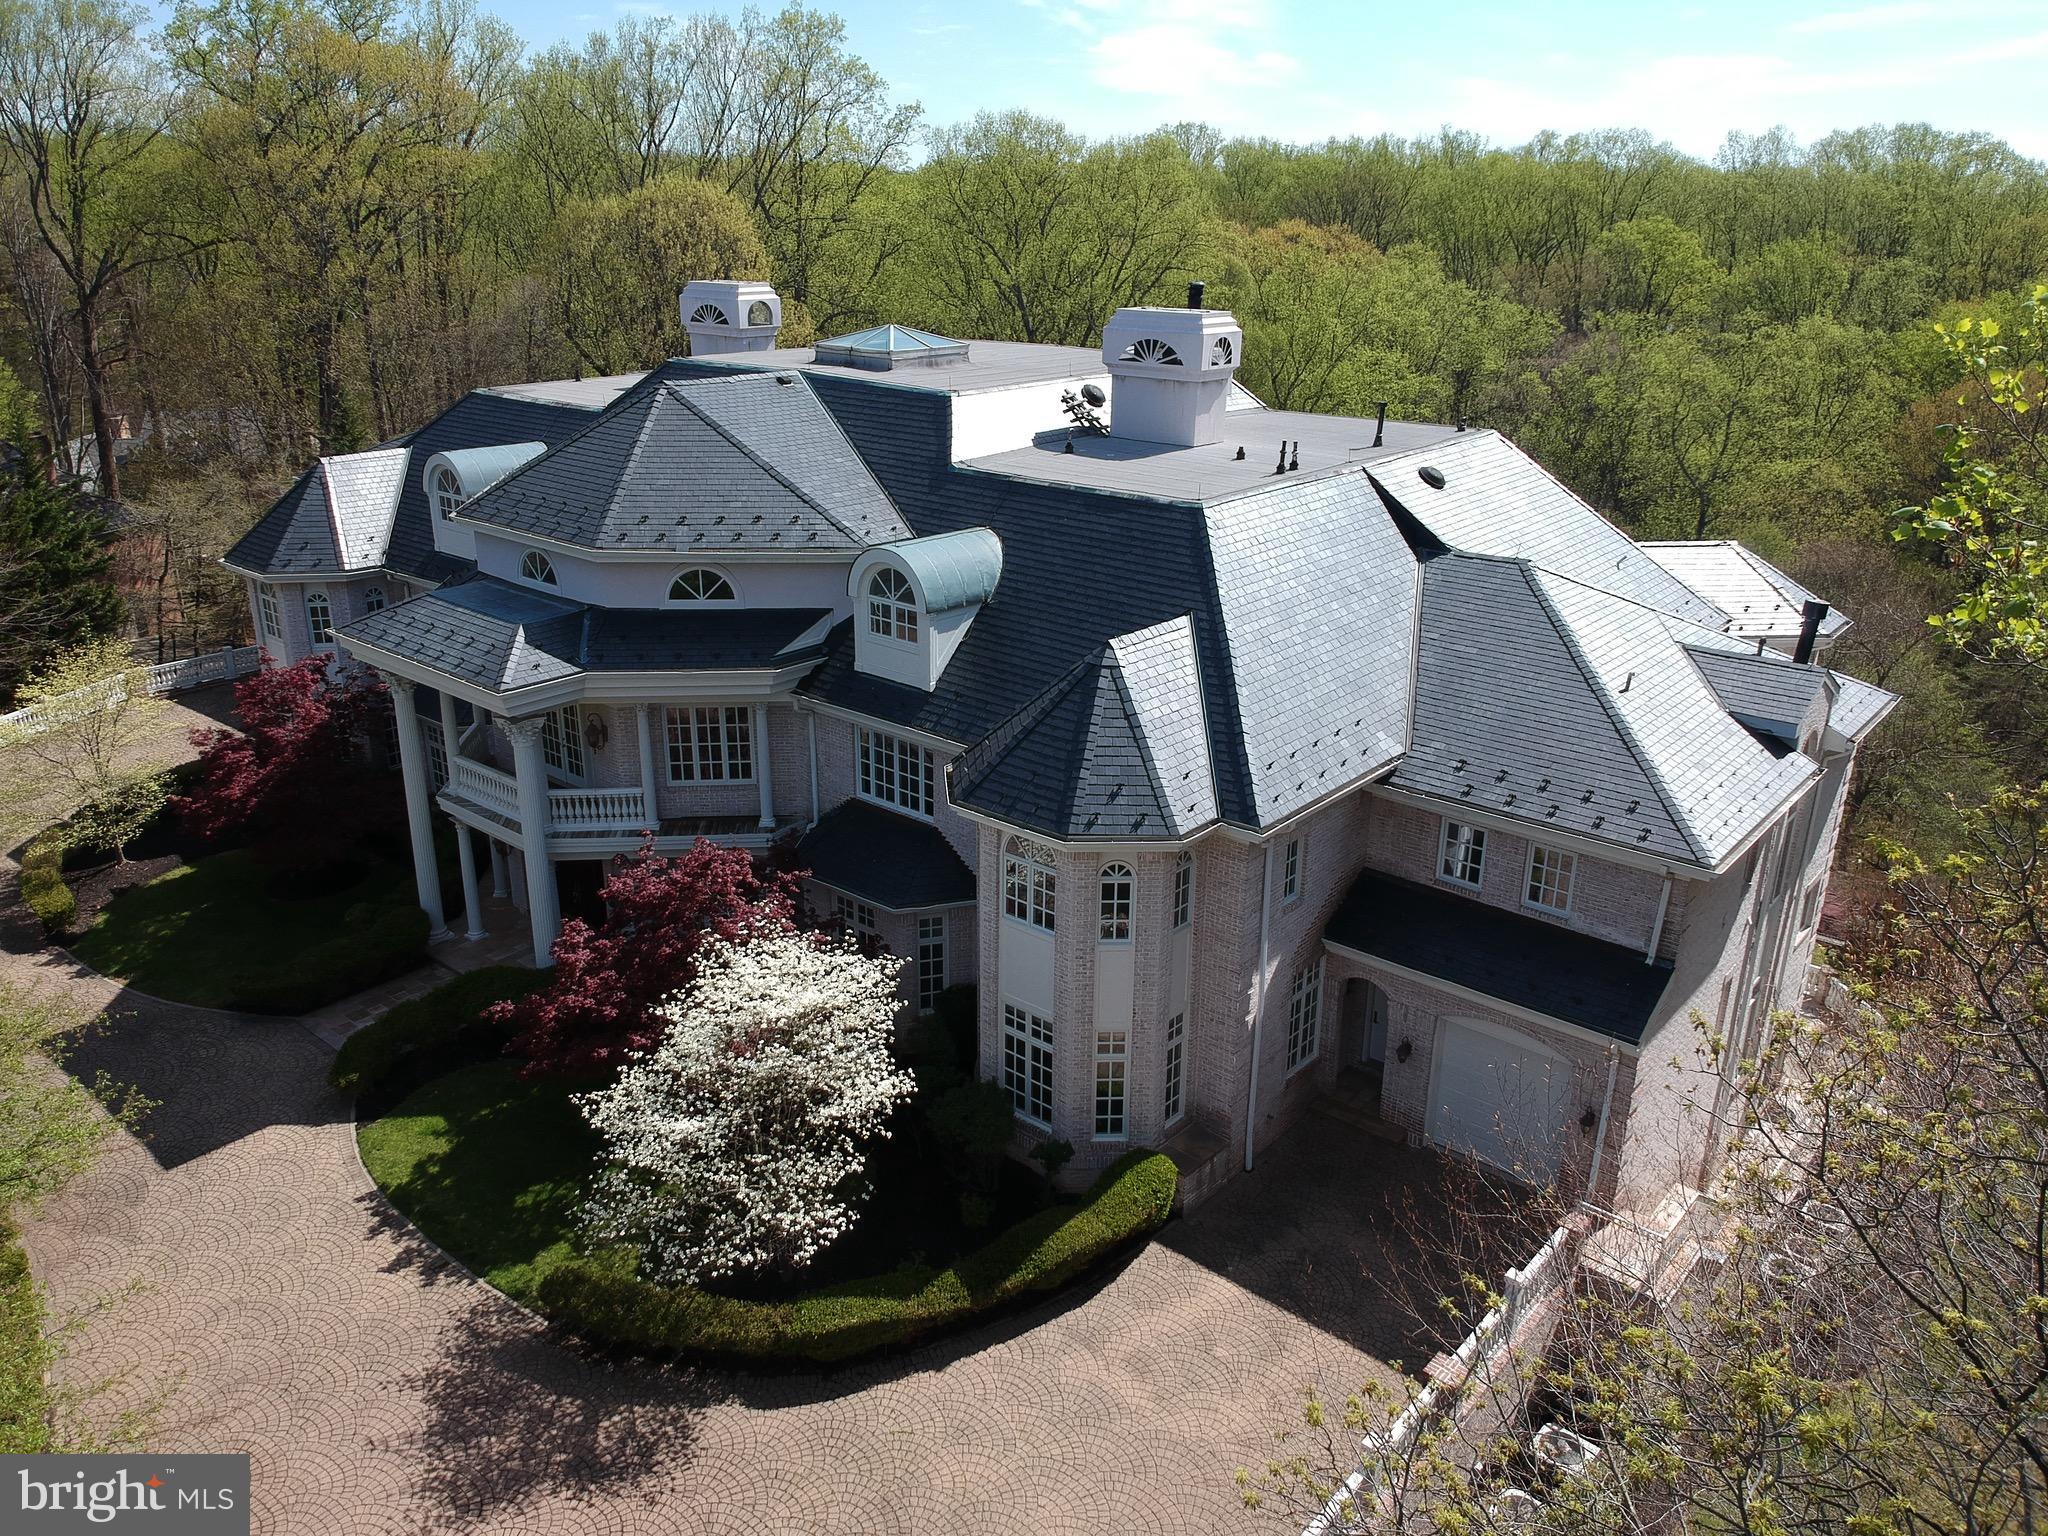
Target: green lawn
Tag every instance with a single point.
(213, 931)
(488, 1167)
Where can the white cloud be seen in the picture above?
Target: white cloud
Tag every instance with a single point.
(1902, 13)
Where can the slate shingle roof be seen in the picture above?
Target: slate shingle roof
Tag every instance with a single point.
(1763, 692)
(499, 636)
(1758, 598)
(753, 464)
(897, 862)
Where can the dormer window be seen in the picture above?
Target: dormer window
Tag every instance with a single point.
(701, 586)
(373, 599)
(892, 606)
(447, 492)
(535, 566)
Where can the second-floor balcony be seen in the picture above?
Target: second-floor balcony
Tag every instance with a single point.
(590, 821)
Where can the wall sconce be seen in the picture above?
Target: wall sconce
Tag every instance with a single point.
(1589, 1119)
(1404, 1050)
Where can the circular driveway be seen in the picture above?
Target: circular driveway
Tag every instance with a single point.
(243, 1283)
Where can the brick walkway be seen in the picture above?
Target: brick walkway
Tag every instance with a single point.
(283, 1309)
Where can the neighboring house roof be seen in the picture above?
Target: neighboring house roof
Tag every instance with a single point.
(296, 537)
(953, 570)
(893, 861)
(1527, 962)
(754, 464)
(1759, 599)
(495, 635)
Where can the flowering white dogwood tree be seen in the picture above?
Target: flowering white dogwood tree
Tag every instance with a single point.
(736, 1144)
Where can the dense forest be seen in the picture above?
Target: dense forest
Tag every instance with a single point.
(281, 227)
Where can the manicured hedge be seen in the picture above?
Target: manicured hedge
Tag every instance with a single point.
(430, 1035)
(374, 943)
(42, 883)
(602, 1299)
(24, 1356)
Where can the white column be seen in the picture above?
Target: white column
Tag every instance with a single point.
(450, 736)
(472, 899)
(500, 875)
(643, 715)
(764, 766)
(542, 907)
(419, 815)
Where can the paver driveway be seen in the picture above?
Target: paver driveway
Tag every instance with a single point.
(286, 1311)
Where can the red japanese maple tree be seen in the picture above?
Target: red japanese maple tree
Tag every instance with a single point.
(609, 979)
(302, 779)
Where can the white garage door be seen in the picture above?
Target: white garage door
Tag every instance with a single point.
(1500, 1097)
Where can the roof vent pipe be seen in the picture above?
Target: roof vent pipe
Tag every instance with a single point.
(1195, 291)
(1811, 616)
(1379, 428)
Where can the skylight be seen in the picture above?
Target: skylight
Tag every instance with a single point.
(883, 347)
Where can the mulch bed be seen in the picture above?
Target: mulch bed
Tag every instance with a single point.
(95, 887)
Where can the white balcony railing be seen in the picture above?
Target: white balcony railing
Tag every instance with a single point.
(597, 810)
(485, 786)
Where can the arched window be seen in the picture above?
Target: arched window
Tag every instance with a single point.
(1029, 884)
(1116, 903)
(535, 566)
(373, 599)
(700, 586)
(1183, 889)
(447, 492)
(892, 605)
(758, 313)
(319, 618)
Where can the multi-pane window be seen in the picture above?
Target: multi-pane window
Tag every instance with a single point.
(1029, 884)
(1116, 903)
(373, 599)
(1176, 1067)
(1183, 889)
(1550, 878)
(266, 609)
(1810, 905)
(857, 916)
(1464, 853)
(535, 566)
(447, 492)
(931, 961)
(700, 586)
(1290, 870)
(561, 741)
(319, 617)
(897, 772)
(892, 605)
(1305, 1015)
(437, 753)
(710, 745)
(1027, 1063)
(1112, 1052)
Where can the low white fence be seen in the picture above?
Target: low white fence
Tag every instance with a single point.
(162, 677)
(1522, 1291)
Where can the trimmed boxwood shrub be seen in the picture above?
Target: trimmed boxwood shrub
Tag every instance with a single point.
(374, 943)
(24, 1356)
(42, 883)
(430, 1035)
(601, 1298)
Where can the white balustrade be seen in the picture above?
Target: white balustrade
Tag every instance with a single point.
(162, 677)
(485, 786)
(621, 809)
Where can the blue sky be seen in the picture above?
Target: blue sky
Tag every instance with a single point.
(1307, 69)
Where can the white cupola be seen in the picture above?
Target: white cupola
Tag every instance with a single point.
(725, 316)
(1170, 372)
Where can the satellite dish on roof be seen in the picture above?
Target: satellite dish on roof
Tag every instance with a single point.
(1093, 394)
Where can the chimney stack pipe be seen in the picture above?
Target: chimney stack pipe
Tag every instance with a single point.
(1379, 428)
(1811, 616)
(1195, 291)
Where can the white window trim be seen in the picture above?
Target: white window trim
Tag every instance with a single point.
(1443, 854)
(446, 503)
(864, 740)
(269, 616)
(1571, 884)
(931, 933)
(313, 625)
(741, 724)
(897, 607)
(1291, 869)
(1103, 905)
(1183, 892)
(722, 604)
(552, 582)
(1030, 867)
(1049, 1045)
(1113, 1048)
(1173, 1072)
(568, 721)
(1314, 1030)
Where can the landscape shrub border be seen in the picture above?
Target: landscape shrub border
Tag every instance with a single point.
(602, 1299)
(429, 1036)
(43, 886)
(25, 1355)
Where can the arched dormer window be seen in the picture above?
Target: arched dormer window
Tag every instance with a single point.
(701, 586)
(373, 599)
(447, 492)
(1029, 883)
(319, 617)
(892, 605)
(535, 566)
(1116, 903)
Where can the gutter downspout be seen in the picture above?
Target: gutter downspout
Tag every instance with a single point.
(1600, 1131)
(1657, 928)
(811, 721)
(1251, 1113)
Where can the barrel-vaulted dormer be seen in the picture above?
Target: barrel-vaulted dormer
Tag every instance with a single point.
(460, 475)
(913, 601)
